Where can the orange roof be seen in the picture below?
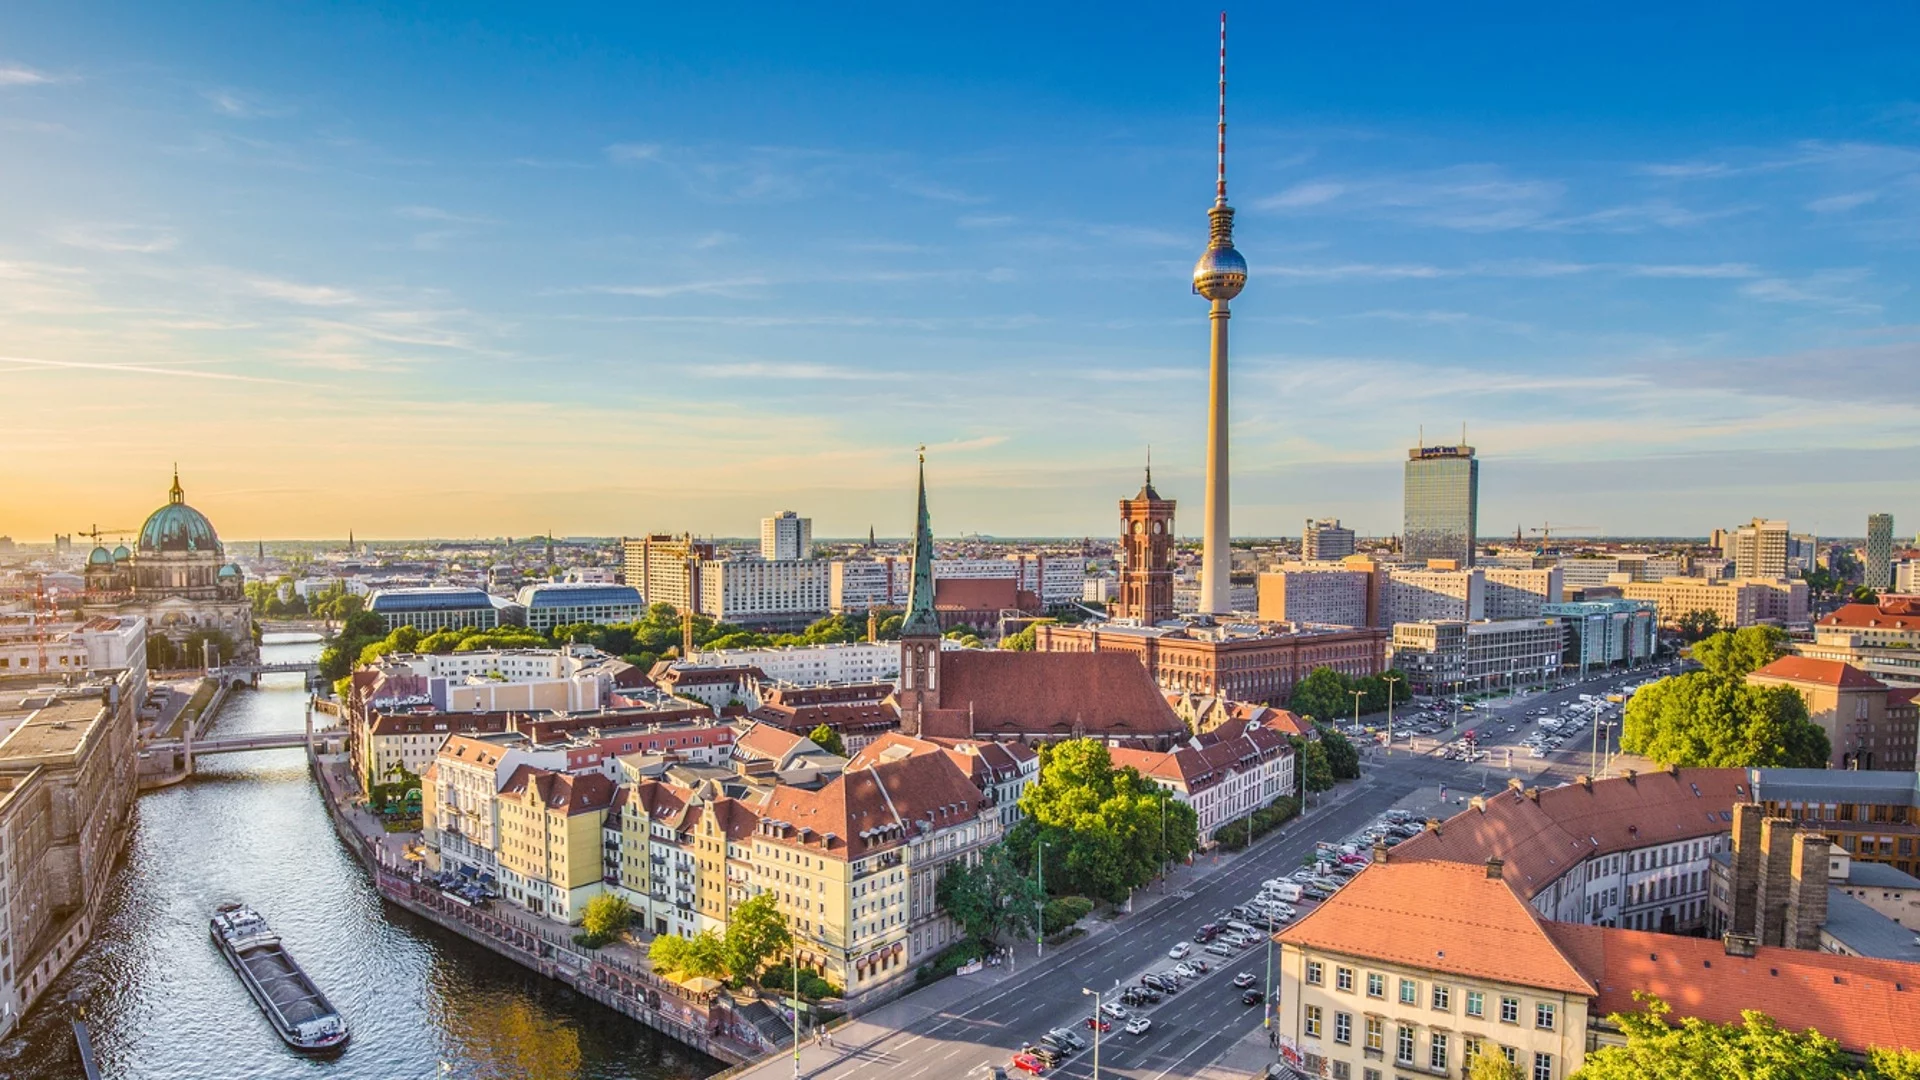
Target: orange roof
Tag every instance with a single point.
(1833, 673)
(1540, 838)
(1439, 916)
(1856, 1001)
(1891, 613)
(987, 693)
(862, 811)
(975, 594)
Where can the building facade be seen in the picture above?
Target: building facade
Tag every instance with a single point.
(1879, 562)
(665, 568)
(1326, 594)
(1607, 633)
(786, 535)
(430, 609)
(1419, 593)
(1736, 602)
(557, 604)
(1323, 538)
(764, 592)
(1253, 663)
(1759, 549)
(1868, 725)
(177, 578)
(1516, 593)
(1451, 656)
(1441, 504)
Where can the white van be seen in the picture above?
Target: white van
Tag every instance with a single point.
(1284, 890)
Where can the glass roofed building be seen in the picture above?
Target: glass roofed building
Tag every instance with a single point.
(563, 604)
(439, 608)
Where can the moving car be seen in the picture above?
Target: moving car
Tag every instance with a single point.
(1138, 1025)
(1180, 950)
(1243, 980)
(1252, 997)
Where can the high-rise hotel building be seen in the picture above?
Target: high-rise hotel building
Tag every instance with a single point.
(1442, 503)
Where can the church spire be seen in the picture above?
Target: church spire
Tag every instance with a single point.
(920, 620)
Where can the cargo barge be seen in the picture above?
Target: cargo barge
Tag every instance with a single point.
(295, 1007)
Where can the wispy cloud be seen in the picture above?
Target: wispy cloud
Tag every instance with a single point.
(435, 213)
(24, 363)
(239, 106)
(1472, 198)
(761, 369)
(718, 287)
(985, 221)
(1826, 289)
(756, 174)
(937, 192)
(298, 293)
(1839, 204)
(630, 152)
(1681, 270)
(140, 239)
(18, 75)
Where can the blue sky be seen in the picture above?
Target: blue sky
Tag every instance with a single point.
(453, 270)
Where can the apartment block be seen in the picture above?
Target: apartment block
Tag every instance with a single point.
(1324, 538)
(1514, 593)
(665, 568)
(1759, 549)
(1435, 592)
(1737, 602)
(1327, 594)
(786, 535)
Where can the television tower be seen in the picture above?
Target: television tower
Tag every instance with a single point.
(1219, 276)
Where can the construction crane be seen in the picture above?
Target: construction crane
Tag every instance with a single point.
(1546, 530)
(97, 532)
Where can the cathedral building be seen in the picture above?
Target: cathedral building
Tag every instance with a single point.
(177, 576)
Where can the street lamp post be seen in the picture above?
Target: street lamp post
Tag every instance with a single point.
(1357, 695)
(1098, 1018)
(1391, 681)
(1040, 901)
(1267, 1006)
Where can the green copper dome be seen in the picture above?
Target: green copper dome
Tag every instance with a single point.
(178, 527)
(100, 557)
(121, 554)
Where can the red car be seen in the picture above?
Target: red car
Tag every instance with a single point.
(1094, 1021)
(1029, 1063)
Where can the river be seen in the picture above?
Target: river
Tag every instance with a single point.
(421, 1002)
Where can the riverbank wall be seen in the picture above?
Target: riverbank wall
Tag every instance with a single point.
(711, 1023)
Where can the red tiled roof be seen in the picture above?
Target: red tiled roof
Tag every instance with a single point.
(1891, 613)
(1856, 1001)
(1440, 916)
(766, 741)
(840, 716)
(1541, 838)
(998, 693)
(874, 808)
(1199, 768)
(1898, 696)
(575, 793)
(1833, 673)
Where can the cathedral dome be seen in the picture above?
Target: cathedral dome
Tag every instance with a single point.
(100, 557)
(178, 527)
(121, 554)
(229, 571)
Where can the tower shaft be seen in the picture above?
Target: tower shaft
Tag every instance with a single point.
(1216, 556)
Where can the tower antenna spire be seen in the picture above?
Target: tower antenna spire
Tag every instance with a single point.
(1220, 184)
(1149, 464)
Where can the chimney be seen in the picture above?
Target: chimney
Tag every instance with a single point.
(1632, 777)
(1380, 850)
(1807, 892)
(1494, 867)
(1514, 783)
(1533, 794)
(1674, 771)
(1776, 874)
(1745, 868)
(1433, 826)
(1478, 802)
(1743, 945)
(1584, 781)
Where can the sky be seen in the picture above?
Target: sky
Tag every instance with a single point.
(467, 270)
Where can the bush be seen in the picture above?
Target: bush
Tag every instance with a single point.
(1062, 913)
(780, 980)
(1234, 837)
(951, 959)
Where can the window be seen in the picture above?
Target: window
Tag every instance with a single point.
(1437, 1053)
(1343, 1028)
(1404, 1048)
(1509, 1010)
(1376, 985)
(1542, 1066)
(1376, 1034)
(1507, 1052)
(1543, 1016)
(1442, 997)
(1369, 1074)
(1342, 1071)
(1313, 1021)
(1409, 992)
(1470, 1047)
(1316, 973)
(1343, 979)
(1476, 1003)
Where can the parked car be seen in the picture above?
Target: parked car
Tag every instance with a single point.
(1221, 949)
(1205, 933)
(1096, 1022)
(1138, 1025)
(1185, 970)
(1028, 1063)
(1114, 1011)
(1200, 965)
(1244, 980)
(1048, 1055)
(1180, 950)
(1070, 1037)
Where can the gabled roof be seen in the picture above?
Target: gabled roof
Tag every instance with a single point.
(1540, 836)
(1194, 768)
(871, 809)
(1445, 917)
(1891, 613)
(569, 793)
(1856, 1001)
(989, 693)
(1829, 673)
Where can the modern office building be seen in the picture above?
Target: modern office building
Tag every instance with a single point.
(437, 608)
(764, 591)
(553, 604)
(1442, 503)
(1445, 656)
(786, 535)
(1880, 552)
(1607, 633)
(1759, 549)
(1325, 539)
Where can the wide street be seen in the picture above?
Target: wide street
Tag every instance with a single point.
(1195, 1027)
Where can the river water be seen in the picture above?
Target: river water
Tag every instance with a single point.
(421, 1002)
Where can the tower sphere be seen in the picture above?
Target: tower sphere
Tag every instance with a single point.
(1220, 274)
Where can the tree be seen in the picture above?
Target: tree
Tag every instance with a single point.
(702, 957)
(1697, 1049)
(668, 953)
(1885, 1064)
(756, 932)
(1494, 1066)
(161, 653)
(1735, 654)
(606, 915)
(1106, 831)
(1024, 641)
(1695, 625)
(1315, 771)
(1702, 719)
(1342, 758)
(993, 897)
(1324, 694)
(828, 740)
